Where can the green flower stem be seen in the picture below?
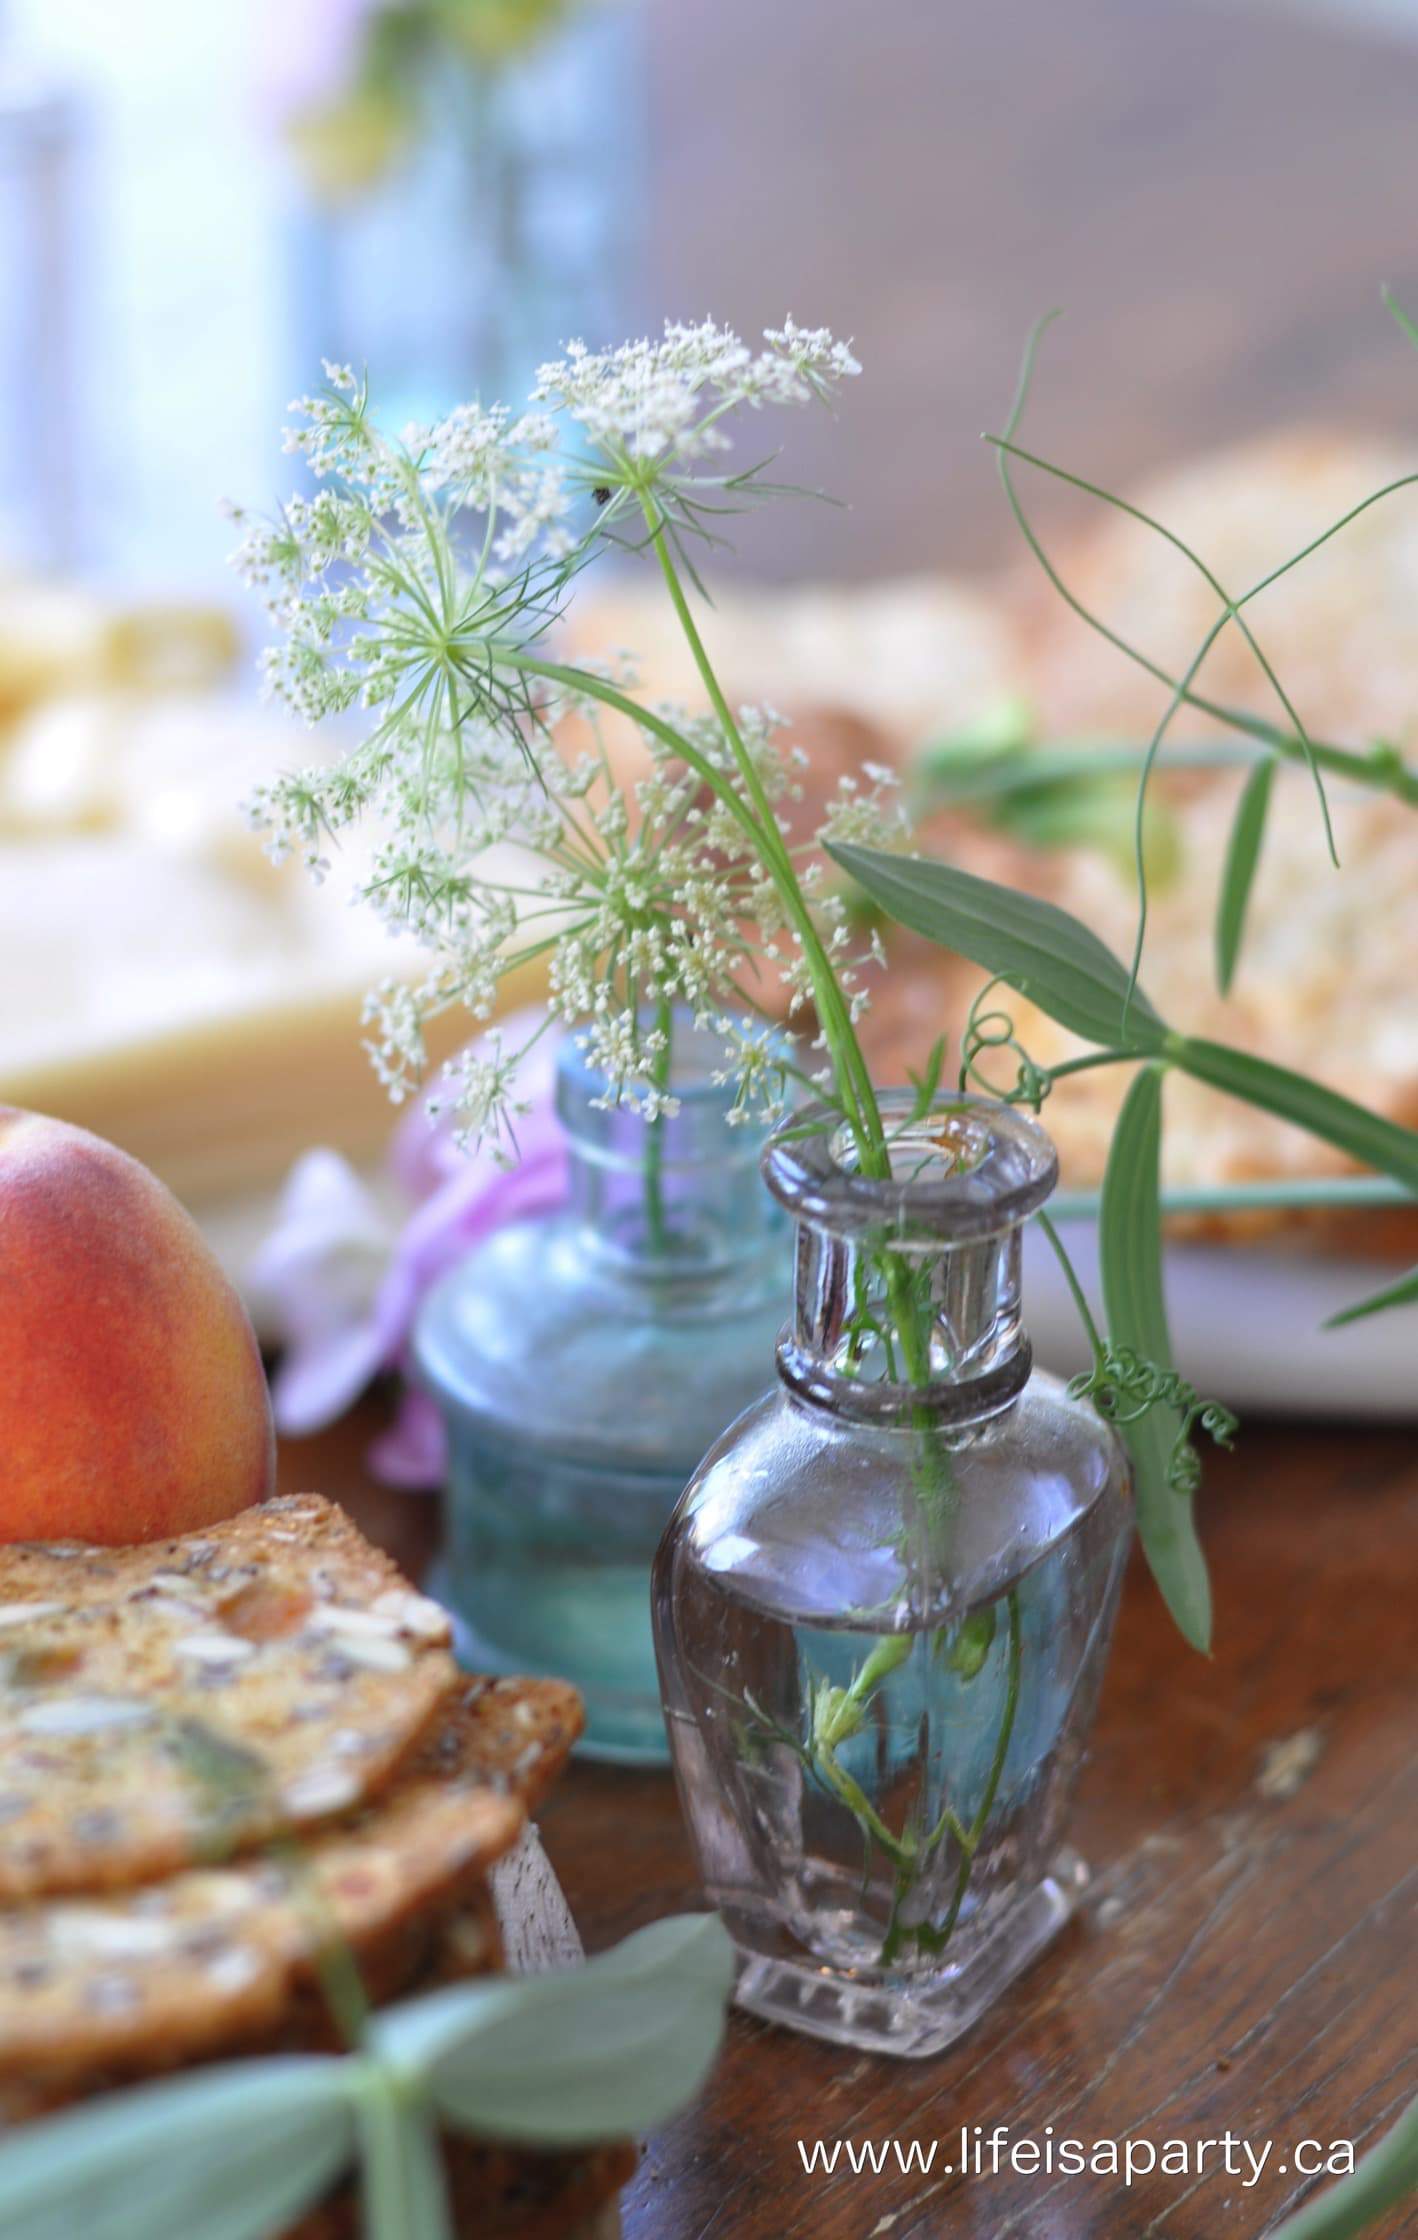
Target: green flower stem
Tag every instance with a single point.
(897, 1849)
(776, 859)
(939, 1938)
(1087, 1063)
(1030, 768)
(401, 2162)
(1079, 1296)
(842, 1716)
(654, 1133)
(853, 1076)
(1382, 769)
(964, 774)
(1345, 1192)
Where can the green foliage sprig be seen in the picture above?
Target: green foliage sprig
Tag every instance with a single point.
(1058, 964)
(585, 2055)
(1382, 767)
(1055, 961)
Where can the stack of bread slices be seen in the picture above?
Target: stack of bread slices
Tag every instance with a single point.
(239, 1770)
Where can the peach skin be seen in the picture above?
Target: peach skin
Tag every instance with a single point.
(133, 1404)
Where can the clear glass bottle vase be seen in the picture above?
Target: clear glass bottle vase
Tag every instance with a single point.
(883, 1607)
(582, 1361)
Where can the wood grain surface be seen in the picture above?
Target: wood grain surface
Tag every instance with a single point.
(1247, 1958)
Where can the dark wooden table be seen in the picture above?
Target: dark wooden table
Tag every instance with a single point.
(1247, 1958)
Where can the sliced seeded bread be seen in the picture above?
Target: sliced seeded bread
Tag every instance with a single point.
(177, 1703)
(135, 1981)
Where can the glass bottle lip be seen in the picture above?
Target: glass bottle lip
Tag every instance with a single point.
(1006, 1166)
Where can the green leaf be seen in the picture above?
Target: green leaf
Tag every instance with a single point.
(1385, 2175)
(1130, 1261)
(1239, 870)
(1364, 1136)
(599, 2052)
(233, 2153)
(1399, 1294)
(1039, 949)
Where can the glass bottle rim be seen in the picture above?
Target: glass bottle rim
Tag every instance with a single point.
(1006, 1166)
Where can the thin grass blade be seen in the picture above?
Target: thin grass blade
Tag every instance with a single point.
(1239, 870)
(1403, 1293)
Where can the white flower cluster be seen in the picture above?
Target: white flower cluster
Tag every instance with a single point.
(665, 400)
(418, 583)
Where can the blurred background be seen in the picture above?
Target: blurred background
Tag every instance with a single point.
(197, 204)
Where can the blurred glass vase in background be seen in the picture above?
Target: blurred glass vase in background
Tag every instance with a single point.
(582, 1361)
(883, 1607)
(472, 194)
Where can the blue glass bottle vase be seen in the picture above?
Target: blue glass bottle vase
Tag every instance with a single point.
(583, 1361)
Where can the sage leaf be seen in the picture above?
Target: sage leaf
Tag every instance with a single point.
(1363, 1135)
(1385, 2175)
(1049, 956)
(1399, 1294)
(1239, 870)
(231, 2153)
(583, 2054)
(1130, 1262)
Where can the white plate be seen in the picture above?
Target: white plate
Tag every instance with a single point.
(1248, 1325)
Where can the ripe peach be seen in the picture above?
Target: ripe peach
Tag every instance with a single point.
(133, 1403)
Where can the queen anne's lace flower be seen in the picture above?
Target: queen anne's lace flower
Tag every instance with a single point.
(663, 400)
(418, 581)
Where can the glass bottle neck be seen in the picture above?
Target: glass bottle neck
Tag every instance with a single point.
(907, 1291)
(678, 1199)
(880, 1333)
